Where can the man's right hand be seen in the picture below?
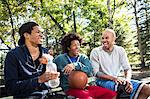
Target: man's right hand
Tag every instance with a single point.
(117, 80)
(68, 68)
(129, 87)
(48, 76)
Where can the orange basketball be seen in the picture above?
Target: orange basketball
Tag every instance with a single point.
(78, 79)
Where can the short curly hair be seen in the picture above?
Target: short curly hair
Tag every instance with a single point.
(66, 41)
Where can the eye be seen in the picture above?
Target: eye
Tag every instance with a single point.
(38, 32)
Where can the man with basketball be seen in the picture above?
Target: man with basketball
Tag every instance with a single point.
(72, 60)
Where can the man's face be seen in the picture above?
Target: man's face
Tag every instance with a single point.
(108, 40)
(36, 36)
(74, 49)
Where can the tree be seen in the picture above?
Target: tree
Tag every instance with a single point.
(141, 18)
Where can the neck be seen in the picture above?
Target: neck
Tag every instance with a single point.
(34, 51)
(31, 47)
(71, 55)
(108, 49)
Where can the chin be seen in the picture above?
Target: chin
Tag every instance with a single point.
(105, 47)
(76, 54)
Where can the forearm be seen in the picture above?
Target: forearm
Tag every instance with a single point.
(104, 76)
(85, 68)
(128, 74)
(16, 87)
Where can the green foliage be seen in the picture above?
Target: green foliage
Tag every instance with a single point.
(91, 16)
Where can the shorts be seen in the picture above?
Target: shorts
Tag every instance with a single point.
(137, 86)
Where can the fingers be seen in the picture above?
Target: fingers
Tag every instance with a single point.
(53, 75)
(128, 87)
(117, 80)
(68, 68)
(48, 76)
(43, 60)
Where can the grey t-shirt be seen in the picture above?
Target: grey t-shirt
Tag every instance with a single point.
(109, 63)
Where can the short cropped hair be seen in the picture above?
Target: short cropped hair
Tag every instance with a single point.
(111, 31)
(25, 28)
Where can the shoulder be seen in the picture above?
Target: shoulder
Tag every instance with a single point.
(83, 56)
(119, 48)
(96, 50)
(60, 59)
(60, 56)
(44, 50)
(15, 50)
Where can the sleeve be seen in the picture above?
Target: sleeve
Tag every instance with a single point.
(124, 60)
(55, 60)
(60, 62)
(84, 65)
(95, 63)
(13, 84)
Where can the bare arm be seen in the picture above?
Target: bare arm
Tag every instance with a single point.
(108, 77)
(128, 74)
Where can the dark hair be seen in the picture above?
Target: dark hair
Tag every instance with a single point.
(66, 41)
(25, 28)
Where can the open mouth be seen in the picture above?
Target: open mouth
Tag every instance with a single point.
(105, 44)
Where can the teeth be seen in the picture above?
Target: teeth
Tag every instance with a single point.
(105, 43)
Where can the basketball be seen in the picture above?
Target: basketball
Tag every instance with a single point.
(78, 79)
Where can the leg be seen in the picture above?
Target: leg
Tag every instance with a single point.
(145, 92)
(98, 92)
(115, 97)
(107, 84)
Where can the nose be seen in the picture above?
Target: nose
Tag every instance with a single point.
(41, 35)
(78, 46)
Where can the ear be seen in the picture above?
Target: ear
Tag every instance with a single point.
(114, 40)
(26, 35)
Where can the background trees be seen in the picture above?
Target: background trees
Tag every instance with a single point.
(86, 17)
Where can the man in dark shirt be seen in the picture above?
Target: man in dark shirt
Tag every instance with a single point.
(25, 76)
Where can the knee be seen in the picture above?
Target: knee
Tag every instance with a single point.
(146, 89)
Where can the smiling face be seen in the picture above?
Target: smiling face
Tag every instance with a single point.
(74, 48)
(108, 40)
(36, 36)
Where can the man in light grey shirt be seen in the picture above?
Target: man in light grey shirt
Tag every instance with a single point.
(108, 60)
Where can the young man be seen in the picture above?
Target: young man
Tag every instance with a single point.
(108, 60)
(24, 75)
(72, 60)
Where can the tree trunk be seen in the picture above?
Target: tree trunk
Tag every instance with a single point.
(138, 34)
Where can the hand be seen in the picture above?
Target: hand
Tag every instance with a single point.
(48, 76)
(68, 68)
(43, 60)
(117, 80)
(128, 87)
